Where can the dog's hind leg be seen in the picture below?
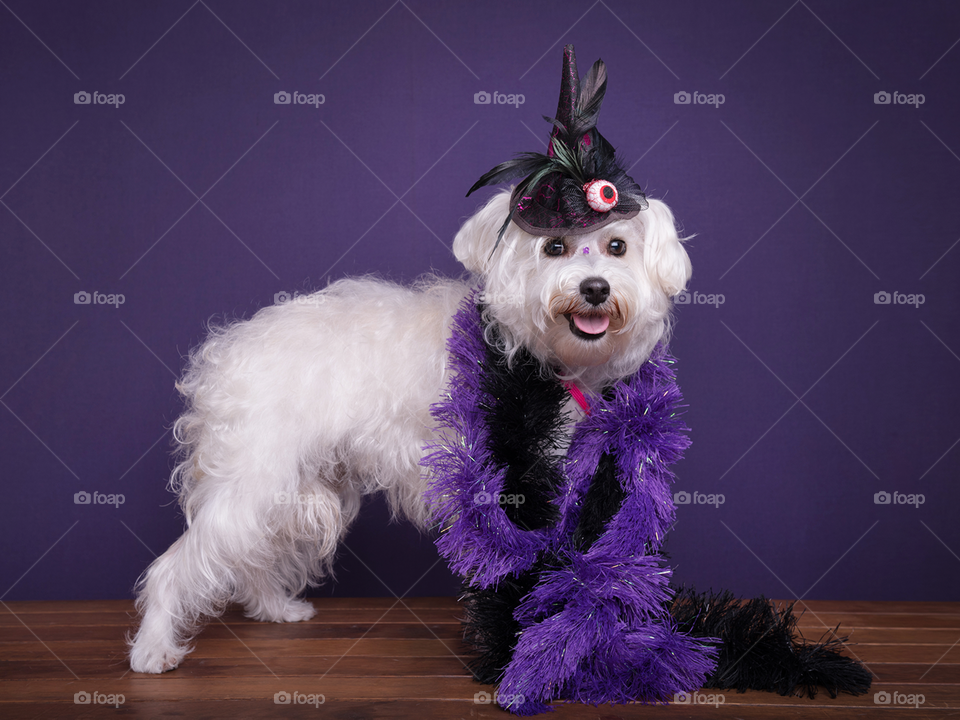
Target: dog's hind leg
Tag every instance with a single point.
(176, 590)
(308, 528)
(265, 598)
(220, 559)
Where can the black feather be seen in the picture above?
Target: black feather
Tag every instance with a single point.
(523, 164)
(525, 425)
(602, 501)
(761, 648)
(592, 91)
(489, 626)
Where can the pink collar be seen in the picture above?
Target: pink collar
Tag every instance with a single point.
(578, 395)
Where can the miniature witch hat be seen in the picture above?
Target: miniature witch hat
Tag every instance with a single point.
(578, 186)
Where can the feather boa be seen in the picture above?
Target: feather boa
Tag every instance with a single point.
(567, 595)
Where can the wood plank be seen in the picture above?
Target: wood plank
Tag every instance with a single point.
(285, 666)
(451, 710)
(373, 665)
(115, 649)
(126, 606)
(811, 626)
(165, 687)
(892, 653)
(808, 624)
(906, 636)
(909, 673)
(446, 631)
(877, 620)
(345, 615)
(247, 631)
(871, 606)
(819, 606)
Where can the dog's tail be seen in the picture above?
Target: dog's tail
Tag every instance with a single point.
(761, 648)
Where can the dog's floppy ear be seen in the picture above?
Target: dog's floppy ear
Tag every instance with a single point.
(474, 244)
(664, 258)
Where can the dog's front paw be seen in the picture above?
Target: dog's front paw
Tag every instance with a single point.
(154, 661)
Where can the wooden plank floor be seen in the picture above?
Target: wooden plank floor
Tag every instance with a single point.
(383, 658)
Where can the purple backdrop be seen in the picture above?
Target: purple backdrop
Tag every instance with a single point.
(200, 197)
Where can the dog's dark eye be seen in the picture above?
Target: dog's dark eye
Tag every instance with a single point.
(617, 247)
(553, 247)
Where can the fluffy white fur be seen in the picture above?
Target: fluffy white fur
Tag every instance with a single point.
(296, 414)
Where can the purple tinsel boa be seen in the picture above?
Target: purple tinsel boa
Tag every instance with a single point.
(596, 627)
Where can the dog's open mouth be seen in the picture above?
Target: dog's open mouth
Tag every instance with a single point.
(588, 327)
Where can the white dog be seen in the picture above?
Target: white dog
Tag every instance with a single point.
(296, 414)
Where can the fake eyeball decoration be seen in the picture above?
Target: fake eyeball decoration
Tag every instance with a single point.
(601, 195)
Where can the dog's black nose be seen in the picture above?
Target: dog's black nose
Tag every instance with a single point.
(595, 290)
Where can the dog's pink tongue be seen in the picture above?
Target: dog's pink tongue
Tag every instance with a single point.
(591, 324)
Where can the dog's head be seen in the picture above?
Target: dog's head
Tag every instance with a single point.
(595, 305)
